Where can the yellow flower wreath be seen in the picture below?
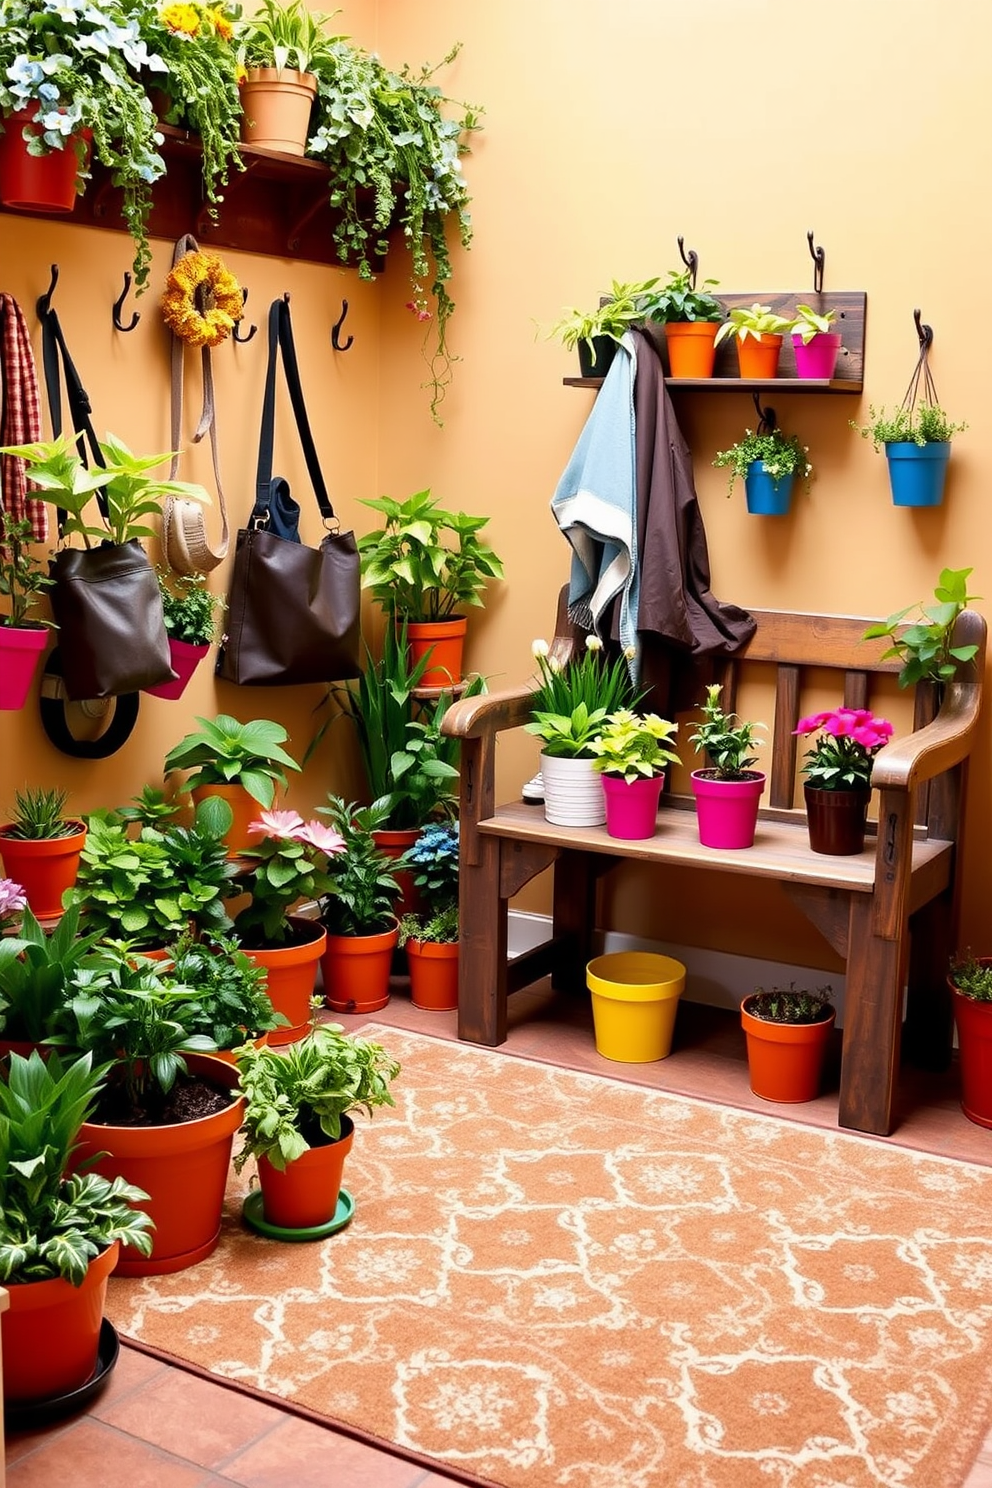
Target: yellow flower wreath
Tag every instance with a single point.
(201, 279)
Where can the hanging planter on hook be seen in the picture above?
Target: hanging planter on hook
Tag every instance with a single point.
(917, 436)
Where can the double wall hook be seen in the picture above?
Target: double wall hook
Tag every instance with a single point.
(819, 258)
(336, 330)
(243, 340)
(691, 261)
(44, 302)
(119, 306)
(924, 332)
(766, 416)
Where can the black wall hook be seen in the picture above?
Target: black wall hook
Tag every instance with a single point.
(336, 330)
(44, 303)
(243, 340)
(924, 332)
(119, 306)
(766, 416)
(819, 258)
(691, 261)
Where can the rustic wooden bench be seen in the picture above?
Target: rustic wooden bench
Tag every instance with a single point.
(890, 912)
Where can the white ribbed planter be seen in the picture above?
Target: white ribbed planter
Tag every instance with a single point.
(573, 792)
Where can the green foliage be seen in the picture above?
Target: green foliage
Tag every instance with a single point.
(130, 493)
(634, 746)
(150, 808)
(972, 977)
(283, 36)
(442, 927)
(677, 300)
(752, 320)
(36, 971)
(623, 308)
(783, 455)
(51, 1225)
(225, 752)
(726, 744)
(924, 423)
(789, 1004)
(189, 608)
(808, 323)
(364, 887)
(23, 580)
(426, 563)
(572, 702)
(434, 859)
(288, 864)
(297, 1094)
(925, 647)
(39, 815)
(231, 1003)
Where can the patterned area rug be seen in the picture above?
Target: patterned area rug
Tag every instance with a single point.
(557, 1279)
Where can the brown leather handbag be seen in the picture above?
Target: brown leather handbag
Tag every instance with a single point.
(293, 612)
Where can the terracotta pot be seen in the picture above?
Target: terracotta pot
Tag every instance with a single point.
(291, 976)
(394, 845)
(276, 104)
(20, 650)
(759, 358)
(433, 968)
(355, 971)
(727, 810)
(632, 806)
(836, 820)
(445, 640)
(785, 1060)
(245, 808)
(36, 183)
(974, 1024)
(44, 867)
(185, 659)
(306, 1193)
(691, 352)
(51, 1333)
(182, 1167)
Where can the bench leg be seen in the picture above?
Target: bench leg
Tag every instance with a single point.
(574, 916)
(872, 1024)
(482, 964)
(927, 1036)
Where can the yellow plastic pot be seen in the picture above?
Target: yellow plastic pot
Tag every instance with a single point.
(635, 996)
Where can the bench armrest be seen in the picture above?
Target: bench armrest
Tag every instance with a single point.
(489, 713)
(939, 746)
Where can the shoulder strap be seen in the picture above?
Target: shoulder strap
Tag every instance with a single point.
(281, 339)
(54, 351)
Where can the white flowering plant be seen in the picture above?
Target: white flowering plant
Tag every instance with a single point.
(783, 455)
(79, 71)
(574, 700)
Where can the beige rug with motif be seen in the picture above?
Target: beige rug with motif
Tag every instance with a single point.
(555, 1280)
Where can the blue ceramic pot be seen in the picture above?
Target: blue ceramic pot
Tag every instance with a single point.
(917, 471)
(766, 496)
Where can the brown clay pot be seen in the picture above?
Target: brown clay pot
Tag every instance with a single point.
(836, 820)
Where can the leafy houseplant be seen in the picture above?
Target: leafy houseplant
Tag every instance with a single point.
(787, 1032)
(690, 317)
(815, 342)
(634, 746)
(434, 861)
(231, 1003)
(364, 888)
(279, 49)
(572, 702)
(917, 443)
(808, 323)
(190, 609)
(73, 73)
(36, 971)
(772, 454)
(39, 816)
(970, 982)
(925, 646)
(41, 847)
(584, 330)
(22, 578)
(242, 762)
(288, 864)
(758, 331)
(841, 758)
(926, 423)
(727, 790)
(426, 563)
(727, 740)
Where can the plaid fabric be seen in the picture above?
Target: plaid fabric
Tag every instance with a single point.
(21, 421)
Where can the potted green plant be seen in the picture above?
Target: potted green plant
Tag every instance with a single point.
(727, 790)
(298, 1126)
(190, 612)
(631, 754)
(430, 934)
(241, 762)
(787, 1031)
(815, 343)
(838, 776)
(690, 317)
(597, 333)
(232, 1005)
(36, 971)
(72, 83)
(280, 48)
(60, 1233)
(23, 637)
(758, 331)
(768, 462)
(925, 646)
(570, 706)
(41, 848)
(359, 910)
(970, 981)
(917, 444)
(166, 1117)
(425, 566)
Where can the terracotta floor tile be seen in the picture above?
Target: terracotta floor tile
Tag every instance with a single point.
(93, 1455)
(182, 1413)
(132, 1370)
(297, 1452)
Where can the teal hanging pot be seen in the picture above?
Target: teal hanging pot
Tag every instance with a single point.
(767, 496)
(917, 471)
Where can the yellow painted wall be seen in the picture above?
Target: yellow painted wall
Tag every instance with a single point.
(611, 127)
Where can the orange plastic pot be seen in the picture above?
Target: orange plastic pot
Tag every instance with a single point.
(44, 867)
(433, 969)
(785, 1060)
(291, 975)
(759, 358)
(444, 640)
(245, 808)
(974, 1025)
(182, 1167)
(305, 1194)
(355, 971)
(691, 352)
(276, 104)
(51, 1333)
(36, 183)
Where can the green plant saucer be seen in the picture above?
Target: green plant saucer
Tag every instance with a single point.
(253, 1215)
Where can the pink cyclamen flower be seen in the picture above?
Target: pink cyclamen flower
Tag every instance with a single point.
(811, 724)
(284, 825)
(12, 899)
(325, 839)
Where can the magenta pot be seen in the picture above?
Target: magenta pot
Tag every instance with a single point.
(727, 810)
(632, 805)
(19, 653)
(818, 357)
(185, 660)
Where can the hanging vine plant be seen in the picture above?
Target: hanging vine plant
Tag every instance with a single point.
(395, 160)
